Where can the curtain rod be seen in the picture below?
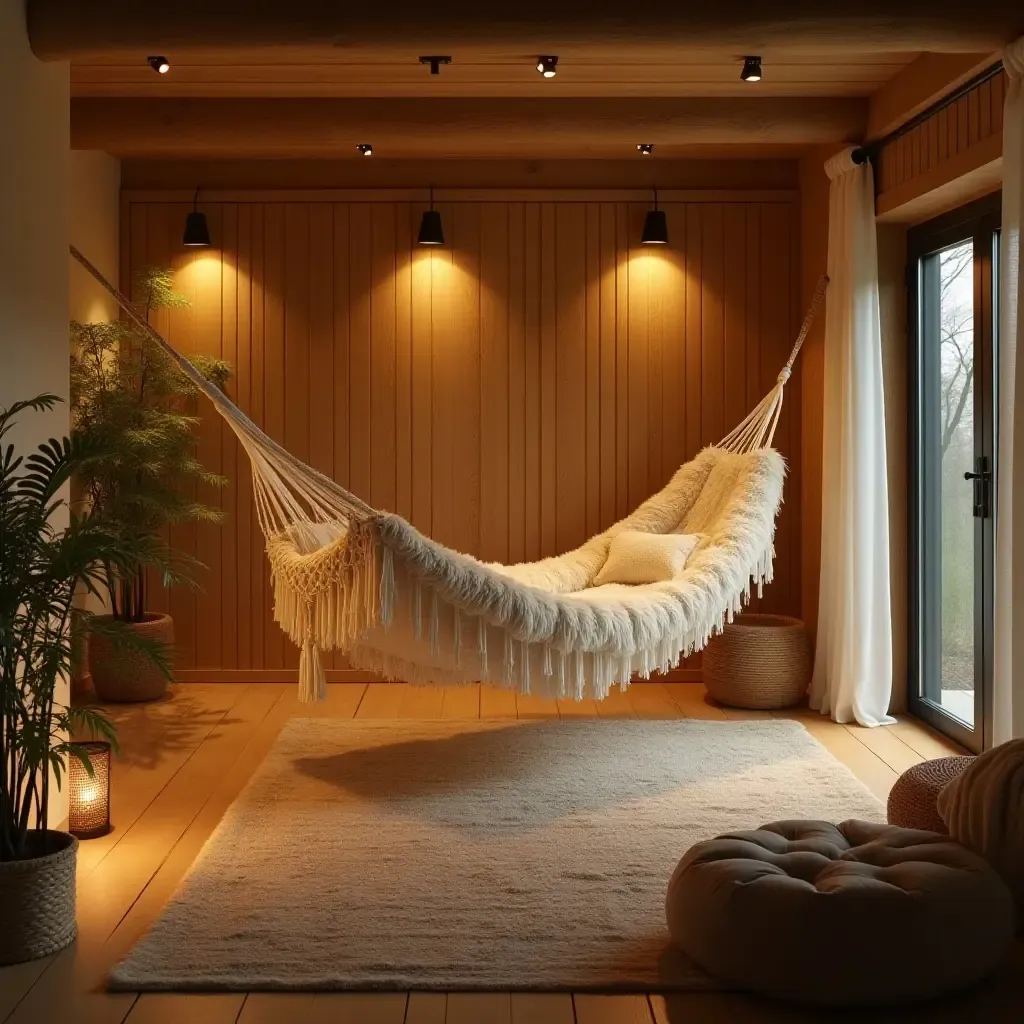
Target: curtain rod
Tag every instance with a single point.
(871, 150)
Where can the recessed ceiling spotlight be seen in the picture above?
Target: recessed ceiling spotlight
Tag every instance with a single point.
(751, 69)
(547, 66)
(435, 63)
(365, 148)
(645, 148)
(161, 65)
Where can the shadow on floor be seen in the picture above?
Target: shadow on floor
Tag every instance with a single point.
(597, 764)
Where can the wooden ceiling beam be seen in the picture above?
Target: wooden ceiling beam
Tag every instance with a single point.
(70, 29)
(452, 127)
(918, 86)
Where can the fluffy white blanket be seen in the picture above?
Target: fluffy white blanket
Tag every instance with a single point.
(542, 626)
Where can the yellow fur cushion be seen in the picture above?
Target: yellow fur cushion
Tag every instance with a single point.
(635, 557)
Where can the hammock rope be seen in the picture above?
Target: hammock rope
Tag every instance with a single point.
(342, 570)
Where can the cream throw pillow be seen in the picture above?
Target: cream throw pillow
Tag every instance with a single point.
(636, 557)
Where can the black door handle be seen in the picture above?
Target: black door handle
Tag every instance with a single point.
(981, 477)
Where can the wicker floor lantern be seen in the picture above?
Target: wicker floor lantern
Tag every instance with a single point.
(89, 794)
(758, 661)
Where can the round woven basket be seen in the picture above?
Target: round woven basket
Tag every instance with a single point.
(758, 661)
(120, 675)
(38, 899)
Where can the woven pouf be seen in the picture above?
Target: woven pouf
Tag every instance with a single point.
(914, 796)
(758, 661)
(852, 915)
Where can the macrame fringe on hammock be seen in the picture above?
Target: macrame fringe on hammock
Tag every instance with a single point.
(366, 595)
(352, 578)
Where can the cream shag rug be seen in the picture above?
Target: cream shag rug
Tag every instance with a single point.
(485, 855)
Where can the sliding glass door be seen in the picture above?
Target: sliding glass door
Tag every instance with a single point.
(953, 444)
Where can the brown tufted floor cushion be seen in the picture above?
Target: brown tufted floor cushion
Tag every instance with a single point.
(914, 796)
(858, 914)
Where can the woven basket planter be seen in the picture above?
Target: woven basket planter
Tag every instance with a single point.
(37, 899)
(759, 661)
(120, 675)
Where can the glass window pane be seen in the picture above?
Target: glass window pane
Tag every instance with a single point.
(956, 451)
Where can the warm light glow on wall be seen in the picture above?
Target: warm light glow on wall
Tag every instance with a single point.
(98, 310)
(442, 264)
(659, 270)
(657, 267)
(200, 268)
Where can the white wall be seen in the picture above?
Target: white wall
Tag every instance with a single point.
(94, 189)
(95, 198)
(34, 129)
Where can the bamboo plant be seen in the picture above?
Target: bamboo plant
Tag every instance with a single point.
(41, 566)
(128, 396)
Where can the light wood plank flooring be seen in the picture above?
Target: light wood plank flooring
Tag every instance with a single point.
(183, 761)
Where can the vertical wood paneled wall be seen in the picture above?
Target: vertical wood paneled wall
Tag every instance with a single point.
(511, 393)
(947, 135)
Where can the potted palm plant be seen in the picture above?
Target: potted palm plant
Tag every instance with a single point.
(128, 396)
(41, 566)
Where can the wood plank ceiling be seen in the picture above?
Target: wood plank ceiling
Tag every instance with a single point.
(313, 102)
(378, 72)
(278, 68)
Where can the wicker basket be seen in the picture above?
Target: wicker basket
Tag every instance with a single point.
(120, 675)
(37, 897)
(759, 661)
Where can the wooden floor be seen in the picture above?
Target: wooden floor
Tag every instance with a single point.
(184, 760)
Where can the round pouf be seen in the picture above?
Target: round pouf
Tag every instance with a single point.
(758, 661)
(913, 799)
(854, 915)
(984, 809)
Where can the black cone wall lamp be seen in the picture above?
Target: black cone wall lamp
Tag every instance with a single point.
(197, 231)
(431, 231)
(655, 226)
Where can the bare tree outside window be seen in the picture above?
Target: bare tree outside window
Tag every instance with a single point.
(956, 440)
(956, 337)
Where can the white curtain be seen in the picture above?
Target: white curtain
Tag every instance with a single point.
(1008, 710)
(853, 663)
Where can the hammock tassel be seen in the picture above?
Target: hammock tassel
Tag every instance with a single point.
(509, 661)
(387, 585)
(435, 646)
(417, 610)
(312, 681)
(481, 646)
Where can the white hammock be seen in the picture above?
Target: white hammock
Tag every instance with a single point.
(350, 577)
